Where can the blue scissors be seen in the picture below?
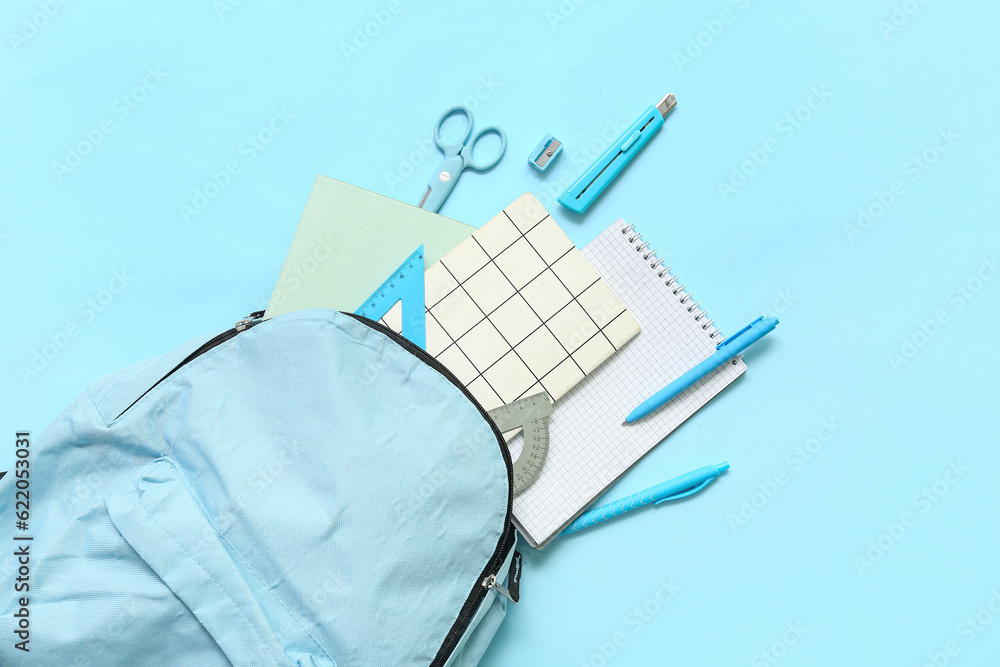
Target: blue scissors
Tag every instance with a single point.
(457, 156)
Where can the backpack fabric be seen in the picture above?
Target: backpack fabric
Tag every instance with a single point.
(309, 490)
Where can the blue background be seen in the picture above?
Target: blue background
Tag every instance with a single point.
(785, 241)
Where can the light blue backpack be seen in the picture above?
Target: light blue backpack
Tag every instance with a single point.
(306, 490)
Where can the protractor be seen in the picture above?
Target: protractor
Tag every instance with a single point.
(531, 414)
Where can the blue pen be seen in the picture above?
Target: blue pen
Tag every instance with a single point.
(579, 196)
(725, 351)
(675, 489)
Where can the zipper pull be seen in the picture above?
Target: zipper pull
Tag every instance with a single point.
(491, 582)
(250, 320)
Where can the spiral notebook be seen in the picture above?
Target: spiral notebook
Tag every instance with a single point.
(589, 448)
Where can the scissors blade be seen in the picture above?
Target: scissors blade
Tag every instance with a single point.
(424, 200)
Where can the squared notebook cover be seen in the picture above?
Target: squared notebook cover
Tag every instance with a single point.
(589, 448)
(348, 241)
(517, 309)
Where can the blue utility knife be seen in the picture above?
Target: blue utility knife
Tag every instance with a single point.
(579, 196)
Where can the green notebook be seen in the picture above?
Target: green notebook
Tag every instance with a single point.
(348, 242)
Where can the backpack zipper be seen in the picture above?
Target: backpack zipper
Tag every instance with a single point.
(250, 320)
(491, 582)
(488, 579)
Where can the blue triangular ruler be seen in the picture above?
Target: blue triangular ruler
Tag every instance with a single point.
(406, 285)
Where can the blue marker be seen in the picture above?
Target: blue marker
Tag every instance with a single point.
(586, 189)
(725, 351)
(674, 489)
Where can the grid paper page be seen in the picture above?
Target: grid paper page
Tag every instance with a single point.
(588, 446)
(517, 309)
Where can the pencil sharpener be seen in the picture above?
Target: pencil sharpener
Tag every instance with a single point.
(545, 153)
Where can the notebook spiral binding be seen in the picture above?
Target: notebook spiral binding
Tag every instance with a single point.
(677, 288)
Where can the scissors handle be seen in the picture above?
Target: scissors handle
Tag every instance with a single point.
(470, 148)
(454, 148)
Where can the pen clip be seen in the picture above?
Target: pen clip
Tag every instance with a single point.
(738, 333)
(685, 494)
